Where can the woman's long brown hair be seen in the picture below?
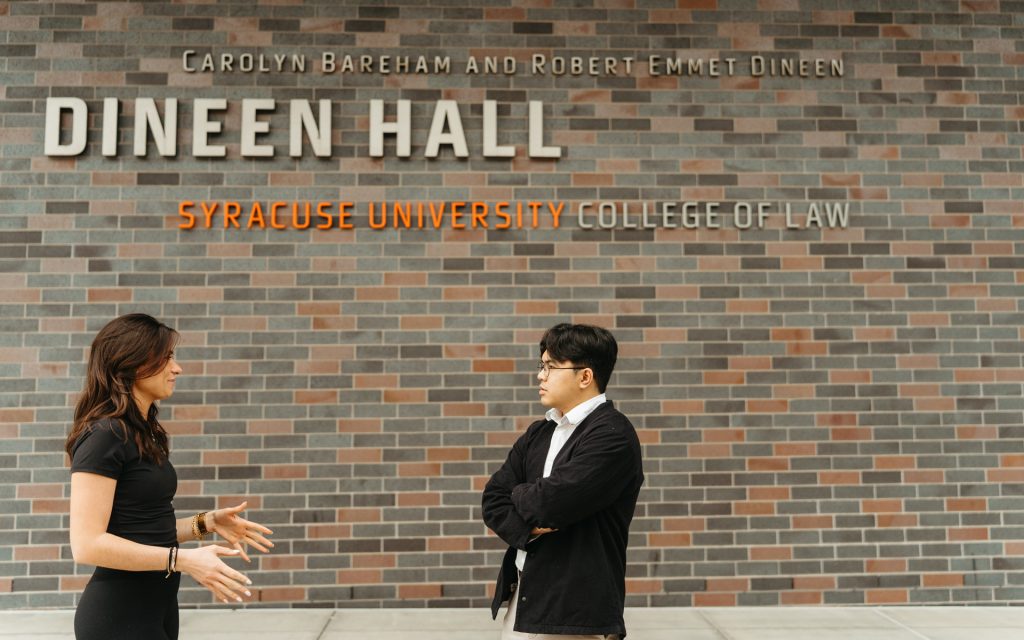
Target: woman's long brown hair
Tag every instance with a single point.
(129, 348)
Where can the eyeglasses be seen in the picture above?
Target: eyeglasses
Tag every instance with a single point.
(544, 369)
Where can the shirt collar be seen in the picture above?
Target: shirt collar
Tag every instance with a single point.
(578, 413)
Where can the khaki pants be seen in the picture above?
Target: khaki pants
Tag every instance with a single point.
(508, 633)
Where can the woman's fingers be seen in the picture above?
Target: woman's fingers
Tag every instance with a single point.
(258, 527)
(224, 568)
(221, 592)
(228, 585)
(249, 537)
(235, 576)
(223, 551)
(218, 589)
(234, 588)
(249, 529)
(236, 509)
(250, 526)
(241, 551)
(258, 541)
(225, 583)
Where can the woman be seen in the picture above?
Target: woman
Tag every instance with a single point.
(122, 485)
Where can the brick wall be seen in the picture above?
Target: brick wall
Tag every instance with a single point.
(829, 415)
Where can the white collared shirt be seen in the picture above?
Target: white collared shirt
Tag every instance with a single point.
(566, 424)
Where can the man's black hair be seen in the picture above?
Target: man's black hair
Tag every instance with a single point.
(584, 346)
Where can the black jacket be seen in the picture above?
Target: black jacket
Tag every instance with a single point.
(574, 580)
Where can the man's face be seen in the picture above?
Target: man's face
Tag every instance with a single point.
(559, 384)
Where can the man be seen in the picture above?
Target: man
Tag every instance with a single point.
(565, 496)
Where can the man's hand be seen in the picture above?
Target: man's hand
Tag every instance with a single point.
(539, 531)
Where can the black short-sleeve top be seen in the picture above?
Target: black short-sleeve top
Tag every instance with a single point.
(143, 511)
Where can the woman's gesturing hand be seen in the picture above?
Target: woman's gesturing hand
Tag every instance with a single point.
(206, 567)
(238, 531)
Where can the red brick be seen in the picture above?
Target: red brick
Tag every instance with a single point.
(272, 562)
(24, 554)
(683, 524)
(43, 505)
(767, 464)
(813, 522)
(494, 366)
(887, 565)
(213, 458)
(407, 469)
(963, 534)
(280, 594)
(279, 471)
(886, 596)
(714, 600)
(452, 409)
(966, 504)
(405, 395)
(801, 598)
(447, 454)
(942, 580)
(753, 508)
(419, 591)
(449, 544)
(637, 585)
(728, 584)
(359, 515)
(320, 396)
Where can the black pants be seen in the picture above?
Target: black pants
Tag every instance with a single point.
(128, 605)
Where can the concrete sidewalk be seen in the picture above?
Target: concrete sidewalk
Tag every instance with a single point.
(740, 623)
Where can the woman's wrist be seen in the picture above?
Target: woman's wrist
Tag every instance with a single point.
(183, 560)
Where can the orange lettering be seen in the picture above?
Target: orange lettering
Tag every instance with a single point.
(295, 215)
(438, 216)
(273, 214)
(322, 212)
(556, 213)
(231, 213)
(536, 207)
(479, 213)
(456, 214)
(183, 211)
(383, 216)
(208, 213)
(344, 214)
(405, 215)
(500, 210)
(256, 214)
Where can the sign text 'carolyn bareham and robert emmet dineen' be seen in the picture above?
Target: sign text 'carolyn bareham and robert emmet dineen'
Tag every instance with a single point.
(67, 125)
(446, 126)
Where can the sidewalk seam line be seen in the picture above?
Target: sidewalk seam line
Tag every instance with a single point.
(900, 624)
(327, 623)
(714, 627)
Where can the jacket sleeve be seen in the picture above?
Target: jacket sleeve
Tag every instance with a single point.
(602, 466)
(499, 513)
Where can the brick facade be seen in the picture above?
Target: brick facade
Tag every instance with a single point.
(829, 415)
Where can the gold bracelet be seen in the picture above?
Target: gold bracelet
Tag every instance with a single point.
(195, 528)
